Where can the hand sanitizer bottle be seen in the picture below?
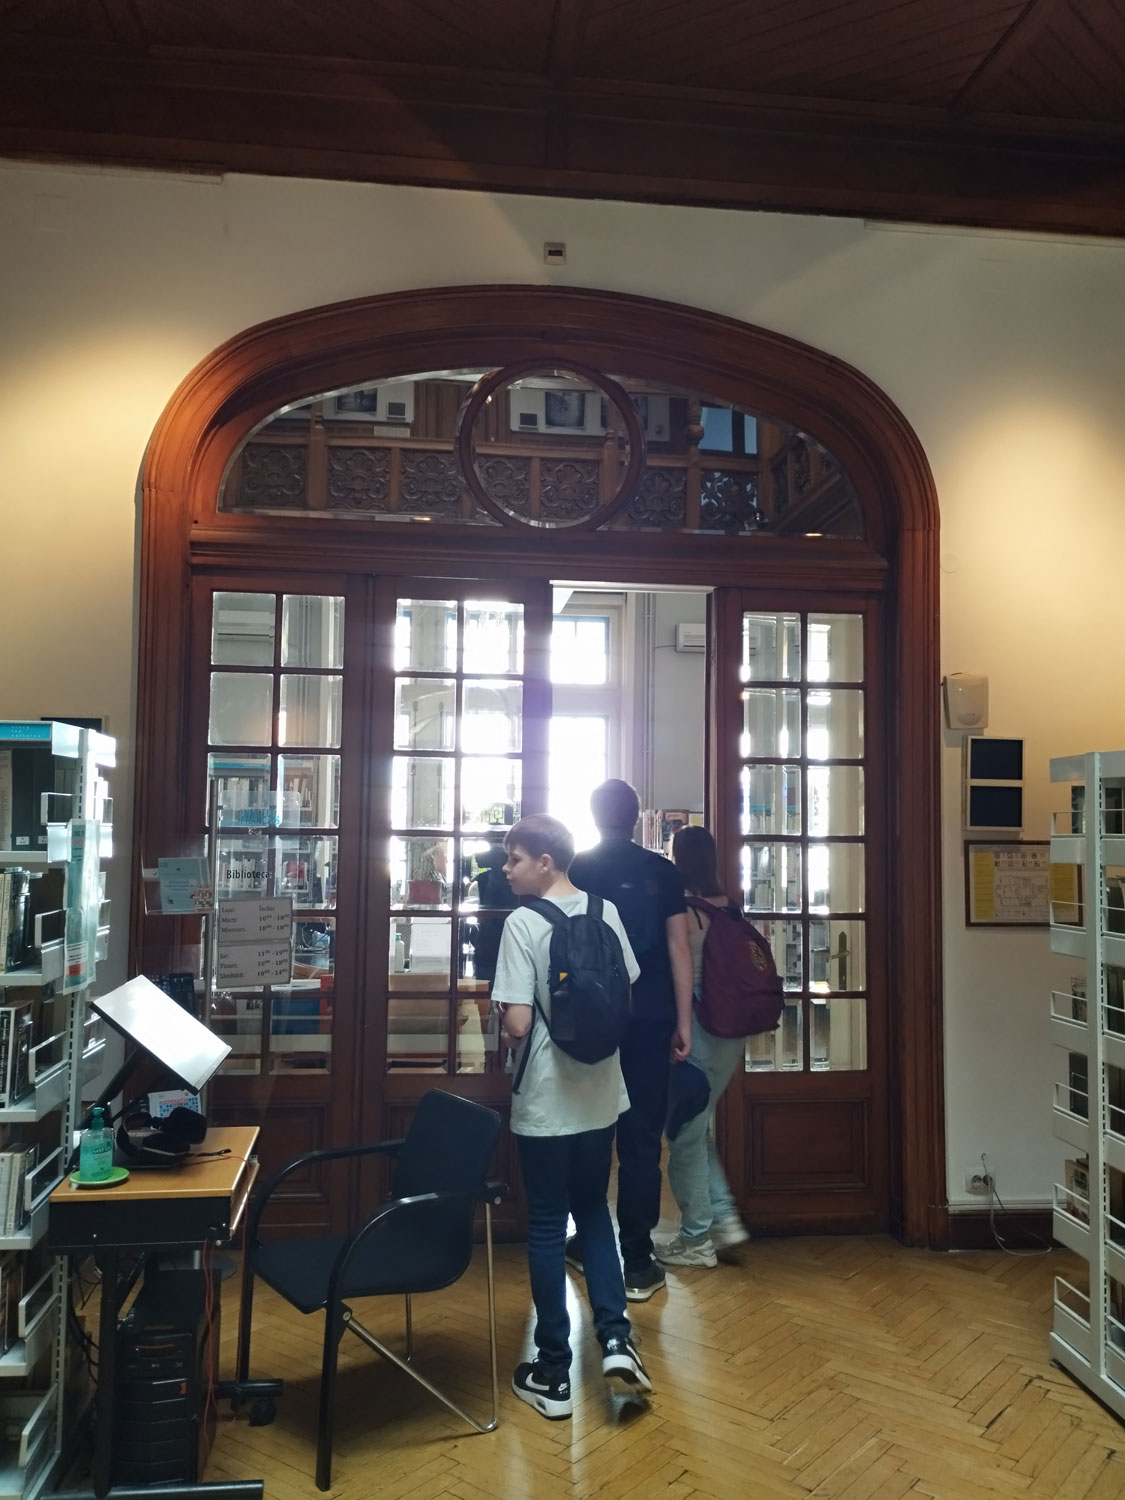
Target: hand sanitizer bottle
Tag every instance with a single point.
(95, 1150)
(398, 956)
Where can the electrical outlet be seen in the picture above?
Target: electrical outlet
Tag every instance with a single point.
(978, 1181)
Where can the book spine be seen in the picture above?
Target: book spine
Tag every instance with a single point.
(14, 1204)
(5, 1185)
(5, 916)
(5, 799)
(6, 1019)
(21, 1050)
(16, 1211)
(6, 1308)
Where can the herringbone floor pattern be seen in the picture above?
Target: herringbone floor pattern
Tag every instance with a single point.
(814, 1369)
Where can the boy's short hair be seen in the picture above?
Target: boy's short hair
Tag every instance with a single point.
(615, 806)
(540, 834)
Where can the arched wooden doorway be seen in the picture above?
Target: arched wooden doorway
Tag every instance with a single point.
(186, 536)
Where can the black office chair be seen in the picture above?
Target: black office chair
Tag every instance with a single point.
(420, 1241)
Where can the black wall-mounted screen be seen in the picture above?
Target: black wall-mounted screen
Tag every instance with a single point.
(995, 807)
(995, 760)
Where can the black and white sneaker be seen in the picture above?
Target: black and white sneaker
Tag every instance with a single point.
(574, 1255)
(550, 1398)
(640, 1285)
(621, 1365)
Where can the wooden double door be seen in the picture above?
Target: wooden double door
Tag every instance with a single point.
(368, 737)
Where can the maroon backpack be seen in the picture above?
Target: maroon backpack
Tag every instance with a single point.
(741, 986)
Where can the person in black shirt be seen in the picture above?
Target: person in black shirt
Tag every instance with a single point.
(648, 893)
(490, 888)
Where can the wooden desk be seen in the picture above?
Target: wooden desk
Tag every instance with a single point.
(182, 1207)
(186, 1207)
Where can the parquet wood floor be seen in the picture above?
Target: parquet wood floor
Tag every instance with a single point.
(811, 1369)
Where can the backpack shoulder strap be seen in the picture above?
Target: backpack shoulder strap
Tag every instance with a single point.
(595, 907)
(549, 910)
(697, 903)
(557, 918)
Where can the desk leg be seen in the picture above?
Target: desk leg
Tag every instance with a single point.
(106, 1261)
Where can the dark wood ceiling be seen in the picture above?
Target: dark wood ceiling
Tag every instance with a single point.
(992, 112)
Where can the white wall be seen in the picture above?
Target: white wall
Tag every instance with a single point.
(679, 705)
(1007, 354)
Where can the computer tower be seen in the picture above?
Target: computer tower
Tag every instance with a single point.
(167, 1353)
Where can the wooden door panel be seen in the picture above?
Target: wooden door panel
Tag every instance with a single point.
(293, 1068)
(801, 1145)
(305, 1204)
(796, 729)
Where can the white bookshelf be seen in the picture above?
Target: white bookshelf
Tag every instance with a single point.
(33, 1371)
(1088, 1333)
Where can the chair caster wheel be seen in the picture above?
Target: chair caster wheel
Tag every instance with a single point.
(237, 1403)
(262, 1411)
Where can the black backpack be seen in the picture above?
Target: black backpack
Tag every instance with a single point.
(589, 985)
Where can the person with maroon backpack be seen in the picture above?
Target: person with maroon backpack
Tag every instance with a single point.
(737, 993)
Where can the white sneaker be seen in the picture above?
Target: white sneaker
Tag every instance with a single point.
(679, 1251)
(729, 1231)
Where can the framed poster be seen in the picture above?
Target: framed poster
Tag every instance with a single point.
(1008, 884)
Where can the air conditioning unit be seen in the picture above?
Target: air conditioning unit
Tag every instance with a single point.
(691, 637)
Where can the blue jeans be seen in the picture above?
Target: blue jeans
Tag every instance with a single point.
(695, 1173)
(570, 1174)
(646, 1067)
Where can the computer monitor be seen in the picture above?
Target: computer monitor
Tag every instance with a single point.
(152, 1021)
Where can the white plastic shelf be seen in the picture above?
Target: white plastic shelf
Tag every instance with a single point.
(49, 1093)
(1113, 1049)
(1072, 1233)
(35, 1228)
(27, 1458)
(1070, 1127)
(1115, 1260)
(24, 1355)
(1071, 1325)
(1069, 940)
(49, 971)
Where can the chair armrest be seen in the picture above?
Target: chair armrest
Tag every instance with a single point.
(397, 1208)
(494, 1192)
(330, 1153)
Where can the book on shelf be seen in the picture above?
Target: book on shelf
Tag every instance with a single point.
(1077, 1183)
(14, 888)
(46, 900)
(11, 1291)
(15, 1047)
(14, 1167)
(660, 825)
(38, 781)
(5, 799)
(1078, 998)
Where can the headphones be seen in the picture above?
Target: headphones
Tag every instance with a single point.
(148, 1142)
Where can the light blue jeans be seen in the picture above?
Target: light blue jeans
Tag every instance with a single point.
(695, 1173)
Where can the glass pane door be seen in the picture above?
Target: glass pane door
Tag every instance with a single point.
(274, 719)
(798, 801)
(467, 759)
(802, 787)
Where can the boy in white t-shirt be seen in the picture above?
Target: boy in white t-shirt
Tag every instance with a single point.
(563, 1117)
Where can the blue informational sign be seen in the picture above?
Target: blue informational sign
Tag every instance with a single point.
(13, 730)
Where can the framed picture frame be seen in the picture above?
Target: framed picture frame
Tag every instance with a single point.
(1009, 883)
(359, 405)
